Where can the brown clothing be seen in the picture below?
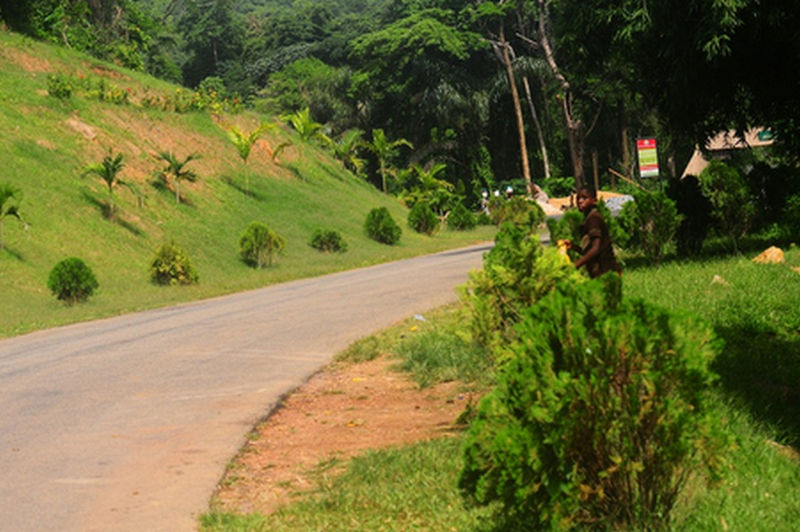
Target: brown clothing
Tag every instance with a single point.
(594, 226)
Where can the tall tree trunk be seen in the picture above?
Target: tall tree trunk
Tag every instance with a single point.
(574, 126)
(523, 148)
(627, 164)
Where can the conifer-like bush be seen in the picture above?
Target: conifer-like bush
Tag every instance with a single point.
(461, 218)
(171, 265)
(381, 227)
(600, 413)
(422, 219)
(328, 240)
(650, 224)
(516, 273)
(259, 244)
(72, 281)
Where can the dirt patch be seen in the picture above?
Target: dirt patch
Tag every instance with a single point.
(28, 62)
(339, 413)
(108, 73)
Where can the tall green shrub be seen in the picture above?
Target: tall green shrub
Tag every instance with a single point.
(599, 415)
(733, 206)
(328, 240)
(516, 272)
(72, 281)
(381, 227)
(422, 219)
(171, 265)
(650, 223)
(258, 244)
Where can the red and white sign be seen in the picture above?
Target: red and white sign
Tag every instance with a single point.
(648, 157)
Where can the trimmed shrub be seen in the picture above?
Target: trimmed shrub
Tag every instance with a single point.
(422, 219)
(171, 265)
(600, 413)
(258, 244)
(650, 223)
(461, 219)
(568, 227)
(381, 227)
(72, 281)
(328, 240)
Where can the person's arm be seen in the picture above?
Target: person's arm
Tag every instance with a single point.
(592, 252)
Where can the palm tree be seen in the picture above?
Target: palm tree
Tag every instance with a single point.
(177, 169)
(385, 151)
(9, 197)
(306, 126)
(346, 150)
(108, 171)
(244, 143)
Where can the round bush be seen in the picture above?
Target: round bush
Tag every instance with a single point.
(258, 244)
(422, 219)
(381, 227)
(328, 240)
(461, 218)
(171, 265)
(71, 280)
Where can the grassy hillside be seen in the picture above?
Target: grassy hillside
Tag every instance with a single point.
(47, 143)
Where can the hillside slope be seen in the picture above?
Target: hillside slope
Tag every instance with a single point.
(47, 143)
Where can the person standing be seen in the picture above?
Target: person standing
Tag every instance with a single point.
(595, 247)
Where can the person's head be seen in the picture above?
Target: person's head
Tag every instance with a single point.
(586, 198)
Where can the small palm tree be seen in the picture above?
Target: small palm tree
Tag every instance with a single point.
(346, 150)
(244, 143)
(177, 170)
(385, 150)
(9, 199)
(305, 126)
(108, 171)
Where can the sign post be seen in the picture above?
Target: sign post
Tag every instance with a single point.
(648, 157)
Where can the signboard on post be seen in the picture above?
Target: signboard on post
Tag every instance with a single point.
(648, 157)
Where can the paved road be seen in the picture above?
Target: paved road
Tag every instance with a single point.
(127, 423)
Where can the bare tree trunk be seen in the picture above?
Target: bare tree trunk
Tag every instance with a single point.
(526, 169)
(623, 134)
(538, 125)
(595, 170)
(574, 126)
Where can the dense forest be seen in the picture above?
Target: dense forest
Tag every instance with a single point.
(474, 94)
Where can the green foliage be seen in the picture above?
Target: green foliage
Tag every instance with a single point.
(258, 244)
(650, 223)
(171, 265)
(305, 126)
(461, 218)
(10, 196)
(328, 240)
(558, 187)
(790, 216)
(516, 273)
(60, 86)
(600, 414)
(422, 219)
(568, 227)
(385, 151)
(516, 210)
(732, 204)
(381, 227)
(72, 281)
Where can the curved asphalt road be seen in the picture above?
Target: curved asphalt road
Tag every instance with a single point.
(127, 423)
